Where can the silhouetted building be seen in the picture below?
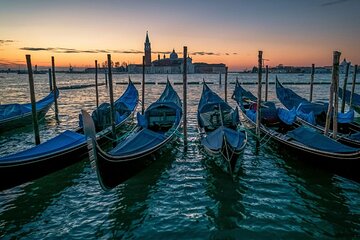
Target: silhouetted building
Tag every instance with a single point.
(147, 50)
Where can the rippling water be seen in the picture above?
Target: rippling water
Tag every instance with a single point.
(183, 194)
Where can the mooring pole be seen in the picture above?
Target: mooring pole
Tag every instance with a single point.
(33, 101)
(336, 100)
(226, 76)
(312, 82)
(143, 87)
(111, 93)
(219, 78)
(258, 103)
(96, 84)
(335, 74)
(106, 75)
(266, 82)
(353, 85)
(55, 89)
(185, 95)
(50, 80)
(344, 87)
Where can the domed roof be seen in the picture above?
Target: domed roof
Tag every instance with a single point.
(173, 55)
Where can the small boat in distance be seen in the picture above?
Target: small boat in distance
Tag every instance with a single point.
(17, 115)
(63, 150)
(221, 132)
(156, 128)
(307, 143)
(313, 114)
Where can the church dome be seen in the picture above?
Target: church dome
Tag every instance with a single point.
(173, 55)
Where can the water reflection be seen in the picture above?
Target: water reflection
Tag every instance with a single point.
(130, 210)
(228, 211)
(23, 204)
(322, 196)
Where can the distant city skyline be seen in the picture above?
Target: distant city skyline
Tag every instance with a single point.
(296, 33)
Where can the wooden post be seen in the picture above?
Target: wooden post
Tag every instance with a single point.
(219, 78)
(353, 86)
(96, 84)
(143, 87)
(226, 76)
(258, 105)
(266, 82)
(185, 95)
(106, 75)
(55, 88)
(33, 101)
(335, 74)
(336, 99)
(50, 80)
(111, 93)
(312, 82)
(344, 87)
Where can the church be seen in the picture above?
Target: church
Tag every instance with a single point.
(172, 64)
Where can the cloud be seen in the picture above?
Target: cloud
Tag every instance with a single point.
(130, 51)
(205, 53)
(334, 2)
(5, 41)
(5, 62)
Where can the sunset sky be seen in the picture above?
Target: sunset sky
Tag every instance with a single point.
(290, 32)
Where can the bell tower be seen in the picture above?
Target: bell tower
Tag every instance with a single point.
(147, 50)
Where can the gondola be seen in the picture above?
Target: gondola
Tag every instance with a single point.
(18, 115)
(221, 132)
(307, 143)
(62, 150)
(355, 101)
(314, 115)
(156, 128)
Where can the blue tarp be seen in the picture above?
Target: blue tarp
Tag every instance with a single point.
(313, 139)
(12, 110)
(347, 117)
(146, 139)
(124, 105)
(355, 100)
(212, 110)
(308, 117)
(290, 99)
(58, 143)
(141, 141)
(240, 93)
(215, 139)
(286, 116)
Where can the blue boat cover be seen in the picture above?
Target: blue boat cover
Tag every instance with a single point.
(124, 105)
(240, 93)
(308, 117)
(313, 139)
(167, 109)
(12, 110)
(61, 142)
(215, 139)
(290, 99)
(287, 116)
(355, 100)
(212, 110)
(140, 141)
(347, 117)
